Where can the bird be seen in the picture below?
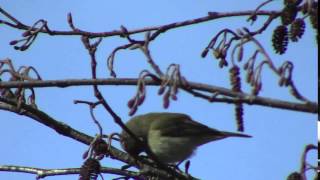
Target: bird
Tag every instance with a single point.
(171, 137)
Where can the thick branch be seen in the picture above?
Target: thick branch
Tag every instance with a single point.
(41, 173)
(311, 107)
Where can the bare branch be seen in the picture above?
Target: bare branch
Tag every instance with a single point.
(310, 107)
(42, 173)
(161, 28)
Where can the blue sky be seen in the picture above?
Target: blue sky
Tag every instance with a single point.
(279, 136)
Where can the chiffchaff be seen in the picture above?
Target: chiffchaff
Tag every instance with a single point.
(171, 137)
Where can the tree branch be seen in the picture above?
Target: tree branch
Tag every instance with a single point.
(310, 107)
(160, 28)
(42, 173)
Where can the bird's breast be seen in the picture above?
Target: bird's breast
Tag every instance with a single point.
(170, 149)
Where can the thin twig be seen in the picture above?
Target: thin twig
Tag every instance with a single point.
(304, 167)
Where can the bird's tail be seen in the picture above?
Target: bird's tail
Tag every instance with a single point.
(233, 134)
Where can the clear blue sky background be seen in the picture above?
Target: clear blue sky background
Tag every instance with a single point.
(279, 136)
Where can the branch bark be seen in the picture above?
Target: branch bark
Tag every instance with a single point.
(161, 28)
(235, 97)
(42, 173)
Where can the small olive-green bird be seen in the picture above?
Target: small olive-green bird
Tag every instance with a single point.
(172, 137)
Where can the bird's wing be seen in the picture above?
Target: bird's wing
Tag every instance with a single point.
(177, 125)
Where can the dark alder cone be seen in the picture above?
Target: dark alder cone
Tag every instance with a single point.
(235, 78)
(235, 81)
(297, 29)
(90, 169)
(289, 14)
(239, 117)
(280, 39)
(295, 176)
